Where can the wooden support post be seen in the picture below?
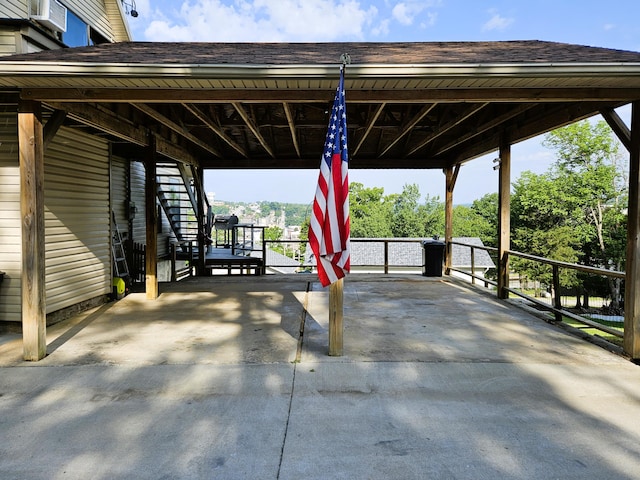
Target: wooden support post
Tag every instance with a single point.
(201, 213)
(557, 299)
(336, 328)
(151, 277)
(631, 341)
(31, 146)
(504, 220)
(451, 176)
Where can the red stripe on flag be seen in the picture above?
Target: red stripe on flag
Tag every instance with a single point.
(329, 229)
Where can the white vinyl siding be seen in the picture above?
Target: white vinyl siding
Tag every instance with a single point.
(7, 42)
(119, 195)
(10, 228)
(77, 219)
(14, 9)
(139, 224)
(119, 26)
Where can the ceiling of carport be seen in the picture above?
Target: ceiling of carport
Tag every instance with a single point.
(410, 105)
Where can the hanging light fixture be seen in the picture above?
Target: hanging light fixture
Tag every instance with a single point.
(130, 7)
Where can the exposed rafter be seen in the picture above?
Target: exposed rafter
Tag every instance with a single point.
(208, 122)
(180, 130)
(448, 126)
(406, 127)
(253, 127)
(484, 127)
(122, 128)
(370, 123)
(292, 128)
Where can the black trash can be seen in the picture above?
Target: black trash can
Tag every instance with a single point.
(432, 257)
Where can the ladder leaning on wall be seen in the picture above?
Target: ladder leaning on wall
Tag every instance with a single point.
(120, 267)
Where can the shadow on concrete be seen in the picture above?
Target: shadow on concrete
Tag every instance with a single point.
(207, 381)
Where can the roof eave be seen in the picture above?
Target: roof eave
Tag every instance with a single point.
(354, 72)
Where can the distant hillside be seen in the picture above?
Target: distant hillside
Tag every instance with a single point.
(295, 213)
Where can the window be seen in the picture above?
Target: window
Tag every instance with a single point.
(79, 33)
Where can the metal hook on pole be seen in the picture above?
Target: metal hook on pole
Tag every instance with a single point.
(345, 58)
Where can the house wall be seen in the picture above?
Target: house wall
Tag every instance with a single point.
(139, 231)
(77, 219)
(94, 13)
(14, 9)
(8, 40)
(119, 25)
(10, 228)
(105, 16)
(119, 193)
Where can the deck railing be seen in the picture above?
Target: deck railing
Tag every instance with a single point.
(306, 262)
(554, 301)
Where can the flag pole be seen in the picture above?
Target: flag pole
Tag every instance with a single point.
(336, 293)
(336, 328)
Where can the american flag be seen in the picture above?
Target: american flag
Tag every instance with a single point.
(329, 230)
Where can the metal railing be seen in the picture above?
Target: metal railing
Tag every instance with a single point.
(385, 243)
(555, 305)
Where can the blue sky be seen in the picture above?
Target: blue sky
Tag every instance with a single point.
(611, 24)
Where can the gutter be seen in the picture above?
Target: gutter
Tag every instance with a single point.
(327, 71)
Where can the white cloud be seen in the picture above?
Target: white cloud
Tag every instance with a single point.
(497, 22)
(382, 29)
(608, 26)
(407, 11)
(403, 14)
(261, 20)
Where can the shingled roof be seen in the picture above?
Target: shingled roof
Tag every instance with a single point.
(424, 105)
(190, 53)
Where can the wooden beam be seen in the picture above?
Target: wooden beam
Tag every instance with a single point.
(151, 215)
(292, 128)
(236, 95)
(618, 126)
(254, 128)
(451, 176)
(53, 125)
(31, 153)
(122, 128)
(631, 340)
(167, 122)
(336, 316)
(504, 219)
(293, 163)
(494, 122)
(541, 121)
(206, 120)
(370, 123)
(406, 128)
(448, 126)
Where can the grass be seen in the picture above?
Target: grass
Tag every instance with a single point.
(595, 332)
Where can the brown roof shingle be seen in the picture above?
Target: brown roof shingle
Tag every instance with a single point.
(505, 52)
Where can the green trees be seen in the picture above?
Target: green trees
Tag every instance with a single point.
(574, 211)
(375, 215)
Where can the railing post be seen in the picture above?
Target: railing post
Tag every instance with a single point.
(386, 257)
(172, 249)
(264, 254)
(557, 299)
(473, 265)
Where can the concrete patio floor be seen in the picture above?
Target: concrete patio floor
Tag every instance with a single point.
(214, 381)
